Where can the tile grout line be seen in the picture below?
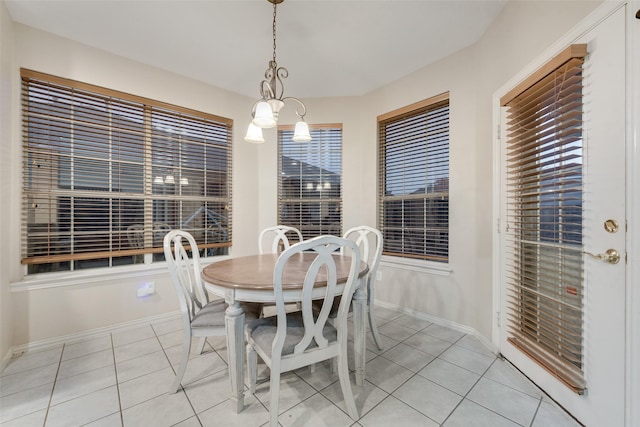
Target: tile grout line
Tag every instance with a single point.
(489, 409)
(438, 358)
(381, 354)
(195, 413)
(469, 391)
(539, 409)
(414, 374)
(544, 393)
(536, 412)
(471, 388)
(55, 380)
(115, 371)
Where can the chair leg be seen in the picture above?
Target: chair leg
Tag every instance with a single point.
(345, 385)
(374, 327)
(333, 365)
(275, 395)
(252, 368)
(186, 349)
(372, 319)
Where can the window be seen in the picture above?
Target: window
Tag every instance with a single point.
(414, 180)
(310, 180)
(544, 158)
(106, 174)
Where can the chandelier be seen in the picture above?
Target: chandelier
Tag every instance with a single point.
(265, 111)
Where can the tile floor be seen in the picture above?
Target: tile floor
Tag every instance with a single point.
(428, 375)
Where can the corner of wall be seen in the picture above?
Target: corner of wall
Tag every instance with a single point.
(6, 171)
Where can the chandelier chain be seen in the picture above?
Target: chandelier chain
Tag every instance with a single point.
(265, 111)
(274, 32)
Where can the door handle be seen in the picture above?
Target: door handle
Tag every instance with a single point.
(611, 256)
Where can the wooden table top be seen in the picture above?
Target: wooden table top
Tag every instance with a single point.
(255, 272)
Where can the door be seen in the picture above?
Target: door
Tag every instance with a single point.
(602, 229)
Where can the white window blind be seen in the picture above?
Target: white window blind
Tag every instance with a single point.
(106, 174)
(310, 180)
(414, 180)
(544, 215)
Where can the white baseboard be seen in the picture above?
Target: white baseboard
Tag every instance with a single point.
(82, 336)
(439, 321)
(95, 333)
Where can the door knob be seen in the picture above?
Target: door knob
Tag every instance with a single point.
(611, 256)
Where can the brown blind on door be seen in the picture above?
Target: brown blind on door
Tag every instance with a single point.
(106, 174)
(544, 218)
(413, 170)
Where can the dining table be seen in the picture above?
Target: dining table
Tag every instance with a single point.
(249, 279)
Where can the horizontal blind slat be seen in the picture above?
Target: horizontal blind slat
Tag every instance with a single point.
(544, 272)
(88, 175)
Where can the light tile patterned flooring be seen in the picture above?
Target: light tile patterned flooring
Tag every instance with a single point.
(428, 375)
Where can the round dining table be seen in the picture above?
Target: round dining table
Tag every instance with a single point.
(250, 279)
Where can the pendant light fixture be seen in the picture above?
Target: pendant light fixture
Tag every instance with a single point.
(265, 111)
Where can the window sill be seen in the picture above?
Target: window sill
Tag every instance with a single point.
(416, 265)
(93, 276)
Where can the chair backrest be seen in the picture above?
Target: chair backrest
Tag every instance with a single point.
(185, 272)
(369, 240)
(159, 230)
(272, 238)
(324, 248)
(135, 235)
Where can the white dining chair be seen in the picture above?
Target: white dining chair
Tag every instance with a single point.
(291, 340)
(276, 239)
(273, 240)
(135, 237)
(369, 241)
(200, 316)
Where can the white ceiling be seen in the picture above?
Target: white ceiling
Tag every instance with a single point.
(330, 47)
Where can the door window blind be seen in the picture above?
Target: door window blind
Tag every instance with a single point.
(414, 180)
(544, 155)
(107, 174)
(310, 180)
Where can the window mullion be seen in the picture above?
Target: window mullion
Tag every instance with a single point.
(89, 186)
(414, 180)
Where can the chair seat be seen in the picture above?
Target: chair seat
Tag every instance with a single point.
(211, 314)
(263, 332)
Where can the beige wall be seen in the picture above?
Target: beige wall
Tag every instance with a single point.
(521, 32)
(6, 187)
(41, 314)
(471, 76)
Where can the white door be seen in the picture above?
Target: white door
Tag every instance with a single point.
(603, 403)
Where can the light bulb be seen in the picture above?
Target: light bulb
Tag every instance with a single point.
(254, 134)
(264, 115)
(301, 132)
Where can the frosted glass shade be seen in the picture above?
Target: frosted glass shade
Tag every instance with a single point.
(301, 132)
(264, 116)
(254, 134)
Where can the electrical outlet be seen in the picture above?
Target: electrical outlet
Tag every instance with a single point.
(147, 289)
(379, 275)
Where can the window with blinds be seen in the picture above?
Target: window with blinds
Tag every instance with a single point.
(107, 174)
(310, 180)
(544, 155)
(414, 180)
